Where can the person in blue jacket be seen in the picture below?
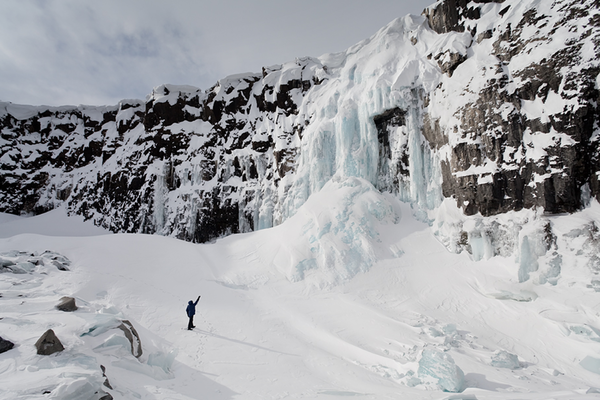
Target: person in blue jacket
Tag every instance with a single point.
(191, 311)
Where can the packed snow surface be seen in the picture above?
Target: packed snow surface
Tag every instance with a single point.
(416, 321)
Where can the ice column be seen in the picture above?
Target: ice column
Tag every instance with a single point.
(356, 142)
(158, 212)
(423, 187)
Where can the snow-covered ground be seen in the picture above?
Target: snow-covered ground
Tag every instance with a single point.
(410, 321)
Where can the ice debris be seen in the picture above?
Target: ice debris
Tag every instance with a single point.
(441, 367)
(344, 239)
(587, 331)
(20, 262)
(89, 338)
(504, 359)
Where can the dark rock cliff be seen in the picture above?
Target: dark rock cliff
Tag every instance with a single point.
(117, 165)
(497, 127)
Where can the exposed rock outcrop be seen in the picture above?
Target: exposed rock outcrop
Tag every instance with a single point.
(223, 151)
(450, 15)
(506, 154)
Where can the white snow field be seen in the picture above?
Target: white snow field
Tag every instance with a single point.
(410, 321)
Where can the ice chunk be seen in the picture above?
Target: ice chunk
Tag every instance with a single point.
(522, 296)
(26, 267)
(434, 332)
(441, 367)
(552, 272)
(58, 260)
(450, 329)
(592, 364)
(15, 269)
(162, 360)
(594, 284)
(115, 341)
(589, 331)
(479, 239)
(102, 323)
(504, 359)
(528, 262)
(451, 334)
(81, 388)
(5, 264)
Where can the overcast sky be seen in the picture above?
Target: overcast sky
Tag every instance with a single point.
(99, 52)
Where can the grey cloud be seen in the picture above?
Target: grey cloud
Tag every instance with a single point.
(98, 52)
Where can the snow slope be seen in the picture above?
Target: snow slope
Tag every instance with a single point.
(418, 322)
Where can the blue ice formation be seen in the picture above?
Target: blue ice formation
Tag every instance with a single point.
(592, 364)
(441, 367)
(504, 359)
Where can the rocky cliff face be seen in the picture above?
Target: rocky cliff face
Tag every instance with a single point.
(528, 137)
(492, 104)
(194, 164)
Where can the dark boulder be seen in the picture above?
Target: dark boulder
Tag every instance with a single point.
(5, 345)
(48, 344)
(67, 304)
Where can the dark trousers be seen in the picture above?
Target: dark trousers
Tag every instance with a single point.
(191, 323)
